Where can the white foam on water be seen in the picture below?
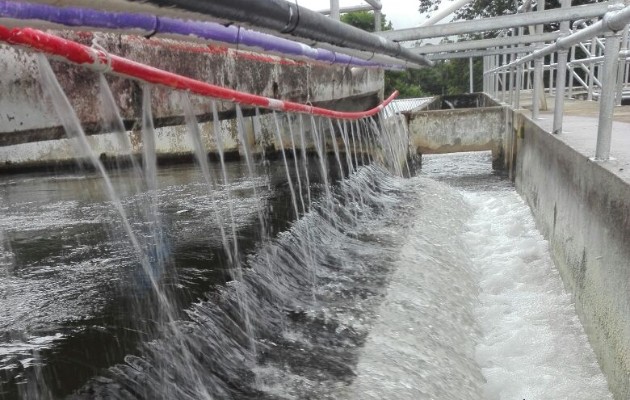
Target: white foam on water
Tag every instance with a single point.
(533, 345)
(422, 345)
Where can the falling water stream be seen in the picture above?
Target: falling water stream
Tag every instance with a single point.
(321, 276)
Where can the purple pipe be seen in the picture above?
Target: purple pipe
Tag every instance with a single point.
(151, 24)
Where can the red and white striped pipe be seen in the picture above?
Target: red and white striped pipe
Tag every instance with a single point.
(102, 61)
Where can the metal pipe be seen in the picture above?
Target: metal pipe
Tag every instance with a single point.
(519, 83)
(349, 9)
(561, 77)
(480, 53)
(486, 43)
(607, 99)
(570, 66)
(622, 63)
(378, 18)
(538, 87)
(615, 20)
(289, 18)
(591, 73)
(334, 10)
(445, 12)
(376, 4)
(156, 25)
(494, 23)
(558, 110)
(470, 75)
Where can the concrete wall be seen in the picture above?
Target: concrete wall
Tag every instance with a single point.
(583, 209)
(30, 133)
(434, 130)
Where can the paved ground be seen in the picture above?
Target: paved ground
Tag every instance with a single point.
(580, 131)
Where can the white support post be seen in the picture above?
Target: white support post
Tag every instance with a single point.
(518, 84)
(551, 77)
(470, 74)
(538, 87)
(621, 67)
(378, 17)
(570, 88)
(591, 71)
(334, 10)
(607, 98)
(558, 109)
(561, 77)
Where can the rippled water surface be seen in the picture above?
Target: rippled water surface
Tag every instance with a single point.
(436, 286)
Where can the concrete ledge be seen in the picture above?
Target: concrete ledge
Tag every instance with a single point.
(583, 209)
(26, 117)
(440, 127)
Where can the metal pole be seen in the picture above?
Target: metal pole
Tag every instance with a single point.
(622, 63)
(495, 23)
(504, 82)
(570, 89)
(561, 77)
(551, 80)
(470, 74)
(591, 72)
(441, 14)
(558, 110)
(486, 78)
(497, 61)
(349, 9)
(607, 98)
(538, 87)
(334, 10)
(378, 17)
(519, 83)
(486, 43)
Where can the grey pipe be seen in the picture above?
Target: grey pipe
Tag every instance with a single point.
(288, 18)
(501, 22)
(613, 21)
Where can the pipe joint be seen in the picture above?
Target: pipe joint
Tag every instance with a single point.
(564, 42)
(614, 19)
(294, 19)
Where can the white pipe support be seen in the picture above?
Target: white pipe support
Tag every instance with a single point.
(441, 14)
(538, 86)
(607, 99)
(617, 18)
(334, 10)
(495, 23)
(349, 9)
(376, 4)
(561, 77)
(378, 18)
(486, 43)
(622, 62)
(470, 75)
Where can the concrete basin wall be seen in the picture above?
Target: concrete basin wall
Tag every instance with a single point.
(583, 209)
(441, 127)
(31, 135)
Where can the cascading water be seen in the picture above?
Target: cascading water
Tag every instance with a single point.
(328, 276)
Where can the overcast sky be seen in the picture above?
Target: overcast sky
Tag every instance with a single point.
(402, 13)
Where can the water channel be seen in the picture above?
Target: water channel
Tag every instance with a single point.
(300, 277)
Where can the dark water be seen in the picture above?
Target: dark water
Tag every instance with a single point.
(72, 294)
(376, 292)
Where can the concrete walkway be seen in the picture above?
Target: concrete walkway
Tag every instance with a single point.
(579, 130)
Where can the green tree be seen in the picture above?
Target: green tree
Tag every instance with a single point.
(491, 8)
(446, 77)
(365, 20)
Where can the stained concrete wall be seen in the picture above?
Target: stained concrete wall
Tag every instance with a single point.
(449, 125)
(30, 133)
(583, 209)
